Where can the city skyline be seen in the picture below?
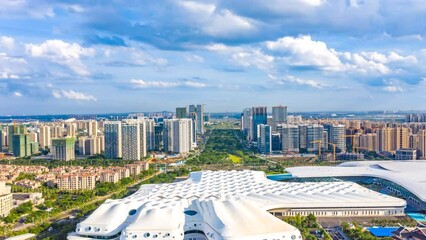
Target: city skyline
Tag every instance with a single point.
(61, 57)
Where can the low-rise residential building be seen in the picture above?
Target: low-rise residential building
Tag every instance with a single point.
(20, 198)
(27, 184)
(74, 182)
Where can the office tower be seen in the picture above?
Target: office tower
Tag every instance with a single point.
(181, 112)
(279, 115)
(71, 130)
(63, 149)
(12, 130)
(264, 139)
(192, 109)
(259, 116)
(245, 120)
(44, 137)
(314, 139)
(131, 141)
(422, 144)
(337, 136)
(6, 203)
(276, 144)
(92, 130)
(200, 119)
(178, 135)
(150, 134)
(290, 138)
(113, 143)
(21, 145)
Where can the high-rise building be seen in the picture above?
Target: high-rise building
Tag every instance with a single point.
(113, 139)
(314, 139)
(21, 145)
(337, 137)
(264, 138)
(303, 137)
(290, 138)
(178, 135)
(402, 137)
(6, 203)
(259, 116)
(368, 142)
(159, 136)
(92, 129)
(279, 115)
(246, 120)
(276, 142)
(71, 130)
(200, 119)
(1, 139)
(181, 112)
(44, 137)
(422, 144)
(58, 131)
(131, 141)
(150, 134)
(63, 149)
(12, 130)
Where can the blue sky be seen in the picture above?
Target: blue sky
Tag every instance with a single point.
(120, 56)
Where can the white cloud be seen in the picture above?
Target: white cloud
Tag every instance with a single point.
(303, 51)
(195, 84)
(17, 94)
(139, 83)
(63, 53)
(5, 75)
(392, 89)
(7, 42)
(216, 22)
(245, 56)
(194, 58)
(73, 95)
(288, 79)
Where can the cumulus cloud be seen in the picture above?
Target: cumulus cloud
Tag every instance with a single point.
(62, 53)
(303, 51)
(7, 42)
(73, 95)
(139, 83)
(17, 94)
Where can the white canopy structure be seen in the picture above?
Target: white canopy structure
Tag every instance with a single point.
(409, 174)
(222, 205)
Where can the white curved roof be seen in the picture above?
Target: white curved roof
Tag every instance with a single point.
(228, 205)
(408, 174)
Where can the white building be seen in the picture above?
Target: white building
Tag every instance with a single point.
(178, 135)
(228, 205)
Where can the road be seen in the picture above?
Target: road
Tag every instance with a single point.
(68, 212)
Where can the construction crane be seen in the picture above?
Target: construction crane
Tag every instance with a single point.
(334, 150)
(353, 140)
(319, 146)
